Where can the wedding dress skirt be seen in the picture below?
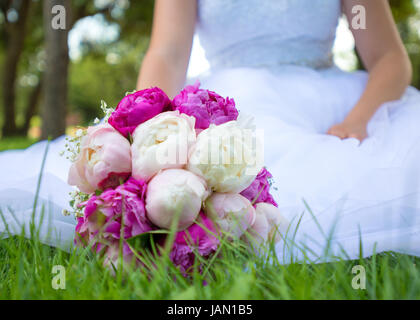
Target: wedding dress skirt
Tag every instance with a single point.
(338, 194)
(26, 199)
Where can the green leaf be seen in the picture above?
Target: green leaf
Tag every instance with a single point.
(143, 240)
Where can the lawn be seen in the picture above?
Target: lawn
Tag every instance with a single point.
(28, 270)
(15, 143)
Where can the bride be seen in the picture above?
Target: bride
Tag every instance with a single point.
(344, 148)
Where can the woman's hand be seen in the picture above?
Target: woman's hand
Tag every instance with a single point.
(349, 129)
(384, 56)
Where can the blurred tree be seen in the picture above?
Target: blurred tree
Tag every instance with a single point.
(56, 68)
(13, 35)
(404, 12)
(57, 60)
(23, 55)
(110, 68)
(22, 72)
(104, 74)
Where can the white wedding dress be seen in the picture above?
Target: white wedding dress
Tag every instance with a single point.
(274, 58)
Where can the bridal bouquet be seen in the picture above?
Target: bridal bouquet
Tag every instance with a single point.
(191, 165)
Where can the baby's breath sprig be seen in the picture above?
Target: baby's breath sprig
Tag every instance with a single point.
(76, 203)
(271, 183)
(106, 110)
(72, 145)
(130, 92)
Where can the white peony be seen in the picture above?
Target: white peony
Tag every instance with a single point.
(227, 156)
(162, 142)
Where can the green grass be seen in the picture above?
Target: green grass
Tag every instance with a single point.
(15, 143)
(26, 273)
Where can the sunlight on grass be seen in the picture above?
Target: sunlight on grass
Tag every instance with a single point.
(16, 143)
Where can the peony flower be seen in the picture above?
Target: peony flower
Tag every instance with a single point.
(200, 238)
(206, 106)
(269, 223)
(259, 190)
(112, 255)
(225, 157)
(162, 143)
(172, 192)
(232, 212)
(112, 214)
(104, 160)
(138, 107)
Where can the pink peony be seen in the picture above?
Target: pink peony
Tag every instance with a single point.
(175, 192)
(112, 255)
(259, 190)
(194, 240)
(104, 214)
(231, 212)
(270, 224)
(138, 107)
(104, 160)
(206, 106)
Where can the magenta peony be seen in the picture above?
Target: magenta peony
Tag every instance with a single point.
(104, 160)
(206, 106)
(104, 215)
(259, 190)
(194, 240)
(138, 107)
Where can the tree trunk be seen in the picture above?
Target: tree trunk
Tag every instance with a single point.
(15, 36)
(56, 72)
(31, 107)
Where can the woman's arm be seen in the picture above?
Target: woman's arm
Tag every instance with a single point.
(384, 56)
(166, 61)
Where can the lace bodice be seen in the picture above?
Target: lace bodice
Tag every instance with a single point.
(267, 33)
